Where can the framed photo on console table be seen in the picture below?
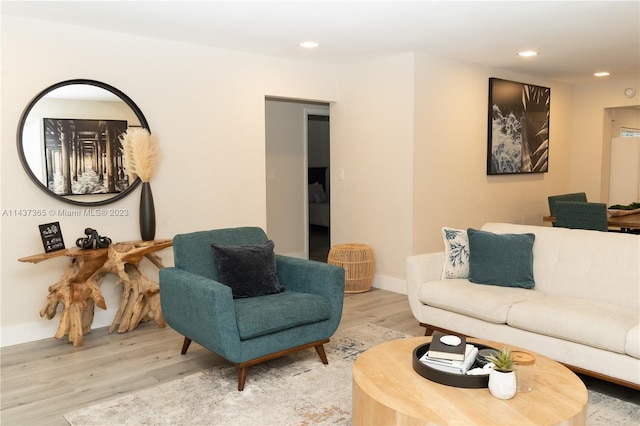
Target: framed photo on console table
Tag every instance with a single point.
(518, 140)
(51, 237)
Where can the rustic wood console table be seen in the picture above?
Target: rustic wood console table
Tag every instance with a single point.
(79, 288)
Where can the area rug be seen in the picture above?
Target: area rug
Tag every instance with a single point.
(295, 390)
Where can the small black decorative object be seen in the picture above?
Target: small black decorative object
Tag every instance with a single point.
(51, 237)
(93, 240)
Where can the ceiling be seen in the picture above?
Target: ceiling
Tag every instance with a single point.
(574, 38)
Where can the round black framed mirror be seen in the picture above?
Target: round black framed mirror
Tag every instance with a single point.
(68, 141)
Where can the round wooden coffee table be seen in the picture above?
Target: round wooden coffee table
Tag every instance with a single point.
(387, 390)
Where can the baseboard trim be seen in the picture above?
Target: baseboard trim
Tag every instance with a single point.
(390, 284)
(45, 329)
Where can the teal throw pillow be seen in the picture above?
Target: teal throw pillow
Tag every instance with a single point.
(250, 270)
(501, 259)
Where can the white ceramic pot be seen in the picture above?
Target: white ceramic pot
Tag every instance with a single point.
(502, 385)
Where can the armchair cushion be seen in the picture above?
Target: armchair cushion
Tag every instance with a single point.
(250, 270)
(259, 316)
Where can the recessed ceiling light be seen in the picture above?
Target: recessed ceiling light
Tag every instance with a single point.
(309, 44)
(601, 74)
(527, 53)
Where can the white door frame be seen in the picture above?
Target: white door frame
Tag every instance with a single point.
(305, 171)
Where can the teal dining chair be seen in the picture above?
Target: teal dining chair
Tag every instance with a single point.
(576, 196)
(581, 215)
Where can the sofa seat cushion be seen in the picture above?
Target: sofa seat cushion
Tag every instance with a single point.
(588, 322)
(261, 315)
(484, 302)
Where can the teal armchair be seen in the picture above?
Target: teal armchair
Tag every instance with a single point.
(247, 331)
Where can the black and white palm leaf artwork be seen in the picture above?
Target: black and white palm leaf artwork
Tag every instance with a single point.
(518, 128)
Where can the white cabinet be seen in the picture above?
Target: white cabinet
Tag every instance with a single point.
(624, 178)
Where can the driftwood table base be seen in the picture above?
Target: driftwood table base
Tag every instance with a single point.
(79, 288)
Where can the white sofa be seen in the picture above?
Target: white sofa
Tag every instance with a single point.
(584, 310)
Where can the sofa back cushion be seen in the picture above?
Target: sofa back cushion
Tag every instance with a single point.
(602, 266)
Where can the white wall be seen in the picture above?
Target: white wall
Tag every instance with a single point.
(409, 131)
(628, 117)
(207, 108)
(592, 134)
(451, 187)
(372, 141)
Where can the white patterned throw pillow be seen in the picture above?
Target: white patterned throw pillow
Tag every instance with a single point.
(456, 253)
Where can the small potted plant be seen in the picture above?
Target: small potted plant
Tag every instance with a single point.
(502, 379)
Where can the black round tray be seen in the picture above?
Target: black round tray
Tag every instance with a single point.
(449, 379)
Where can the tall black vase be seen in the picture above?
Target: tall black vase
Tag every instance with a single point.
(147, 213)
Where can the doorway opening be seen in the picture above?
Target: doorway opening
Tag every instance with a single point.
(295, 144)
(319, 188)
(620, 182)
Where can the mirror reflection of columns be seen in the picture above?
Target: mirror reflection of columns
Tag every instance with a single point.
(80, 160)
(65, 145)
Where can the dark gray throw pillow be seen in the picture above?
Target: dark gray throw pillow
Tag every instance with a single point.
(250, 270)
(501, 259)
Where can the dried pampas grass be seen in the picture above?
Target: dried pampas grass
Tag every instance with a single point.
(141, 153)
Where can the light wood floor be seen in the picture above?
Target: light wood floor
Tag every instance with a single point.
(40, 381)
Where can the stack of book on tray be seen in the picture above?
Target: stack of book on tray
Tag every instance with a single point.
(452, 354)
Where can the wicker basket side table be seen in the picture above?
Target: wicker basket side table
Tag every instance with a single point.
(358, 263)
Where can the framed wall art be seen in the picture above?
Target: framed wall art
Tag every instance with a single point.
(84, 156)
(518, 140)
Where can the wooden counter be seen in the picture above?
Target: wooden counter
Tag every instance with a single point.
(630, 221)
